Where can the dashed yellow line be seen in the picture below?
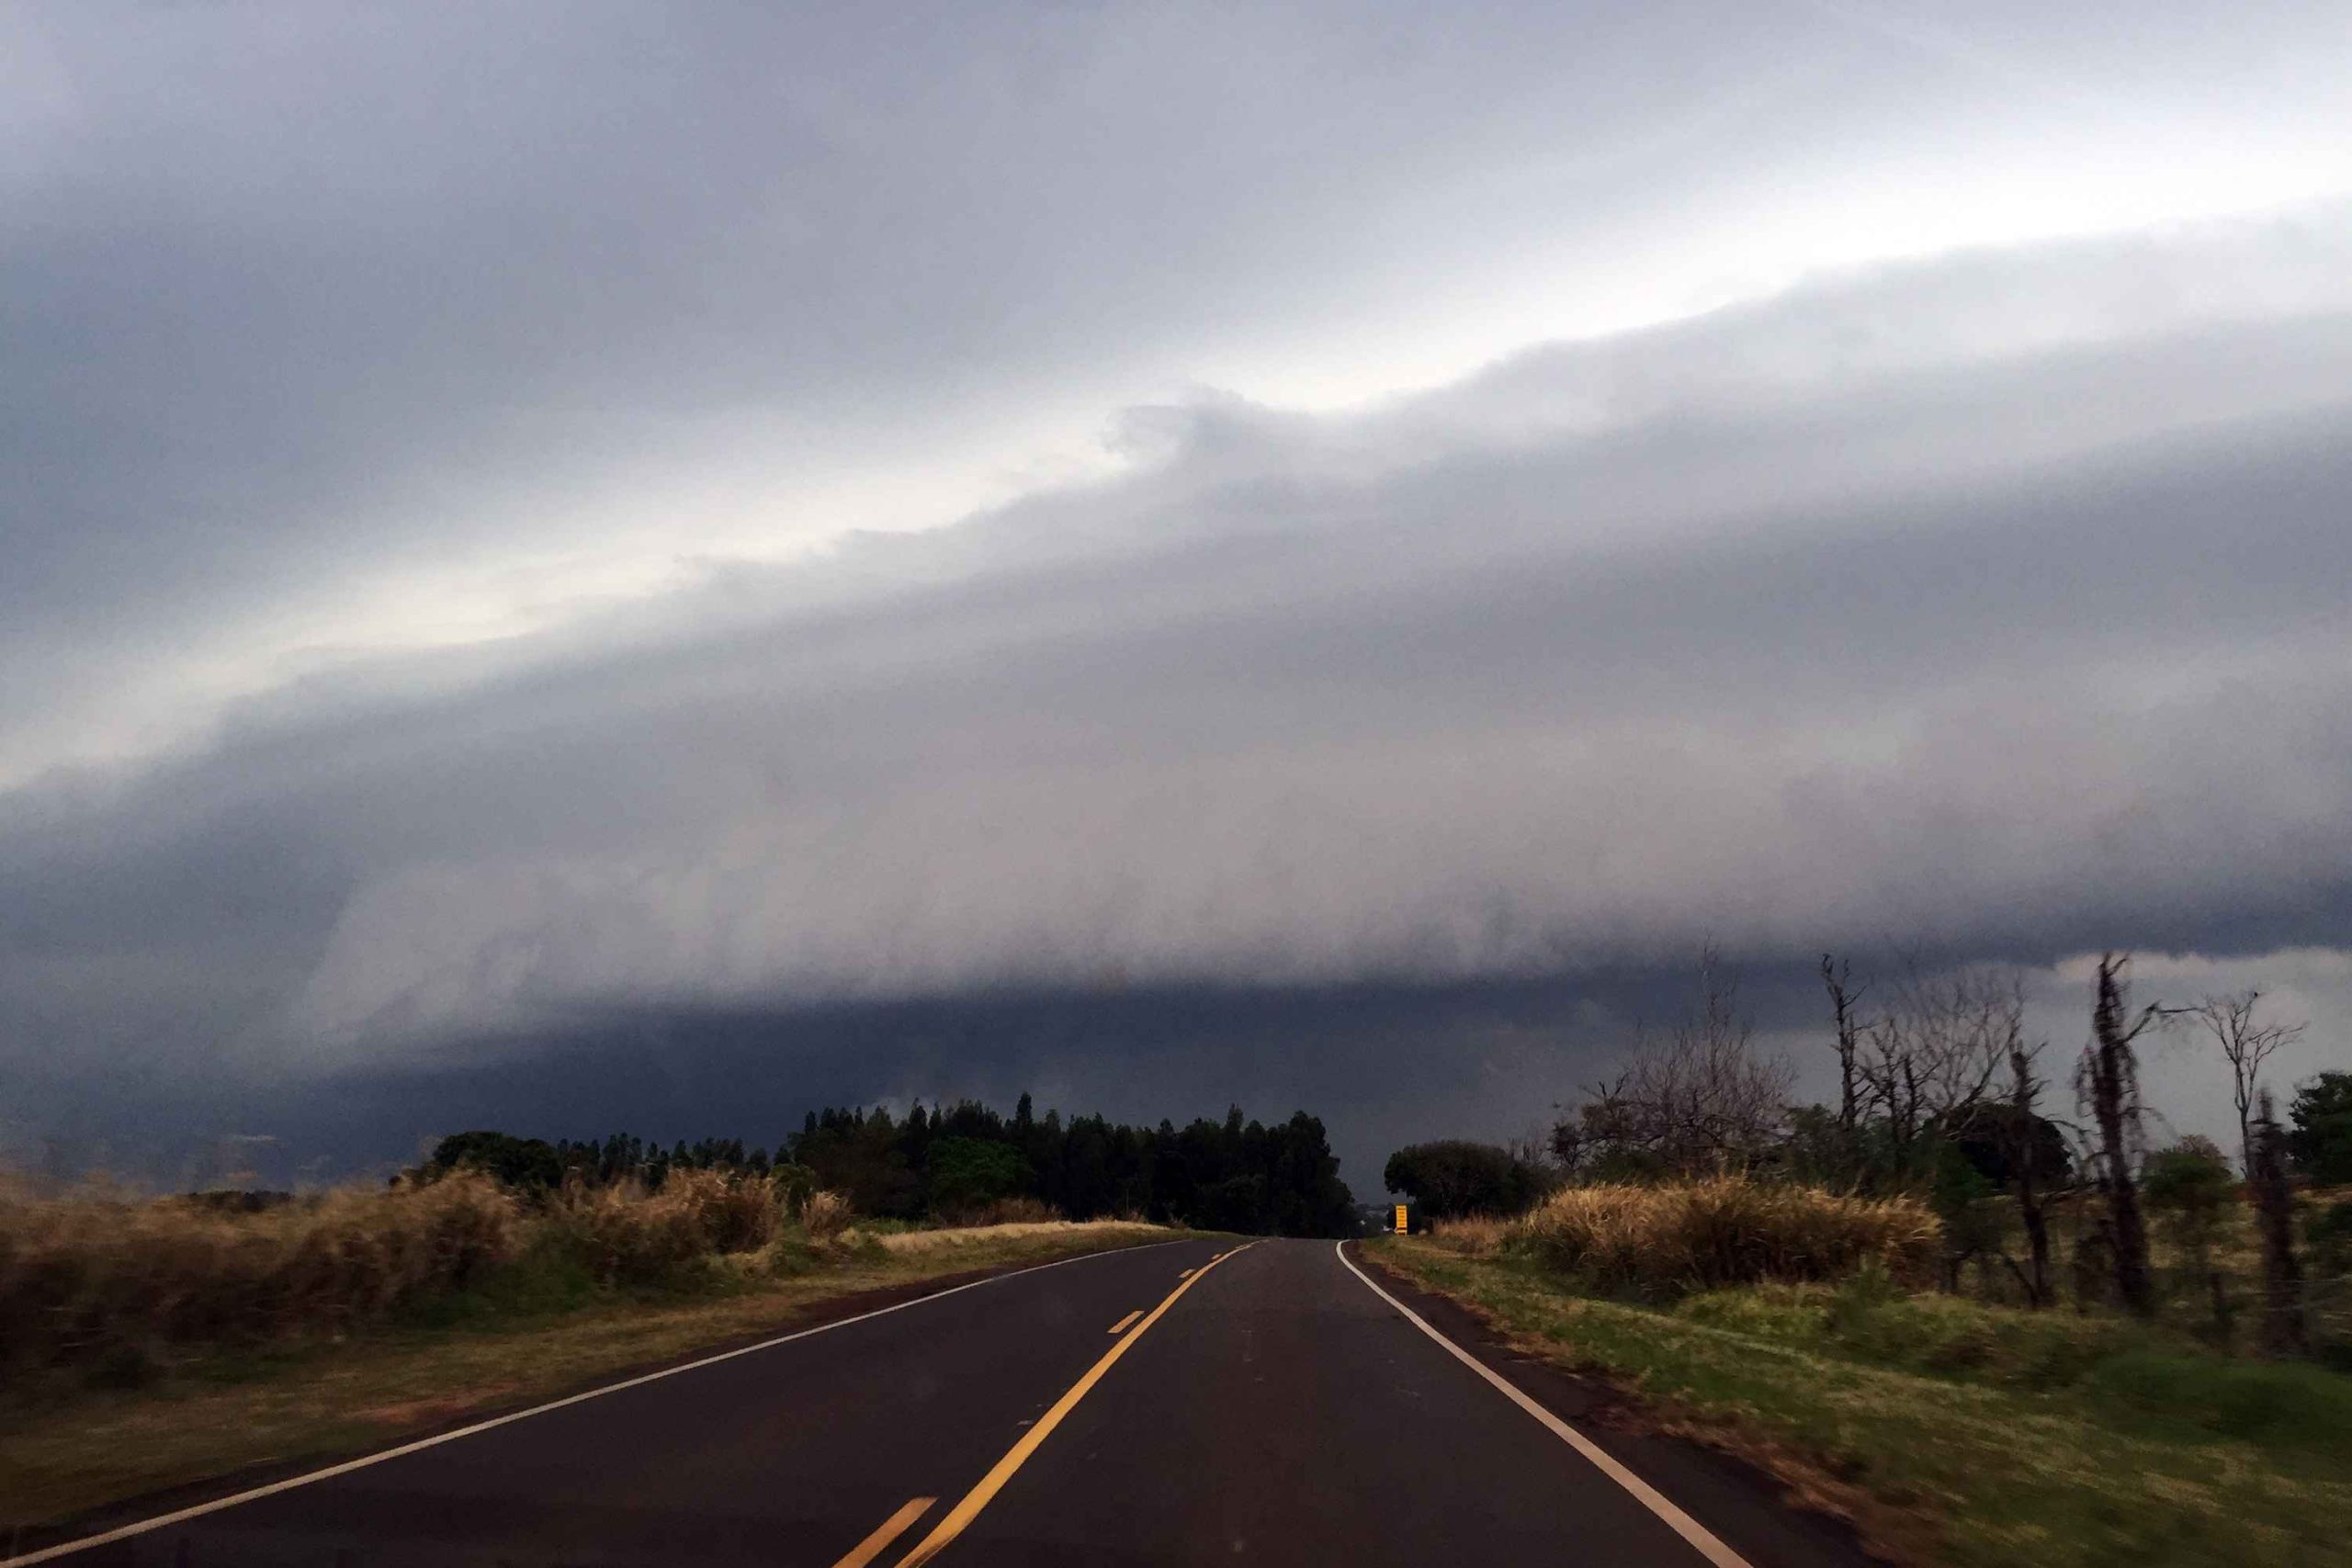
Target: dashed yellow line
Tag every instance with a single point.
(1121, 1326)
(961, 1516)
(890, 1529)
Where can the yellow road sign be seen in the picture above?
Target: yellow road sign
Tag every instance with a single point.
(1400, 1219)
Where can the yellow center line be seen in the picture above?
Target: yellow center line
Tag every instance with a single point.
(1121, 1326)
(890, 1529)
(978, 1497)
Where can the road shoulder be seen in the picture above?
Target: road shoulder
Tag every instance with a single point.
(1772, 1520)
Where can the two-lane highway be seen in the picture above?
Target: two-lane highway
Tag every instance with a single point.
(1192, 1403)
(1294, 1414)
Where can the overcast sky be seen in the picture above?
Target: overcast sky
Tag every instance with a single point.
(1160, 553)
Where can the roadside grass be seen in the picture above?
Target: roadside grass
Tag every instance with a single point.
(1663, 1239)
(912, 1243)
(543, 1325)
(2187, 1278)
(1959, 1433)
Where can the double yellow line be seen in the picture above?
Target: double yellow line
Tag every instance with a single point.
(961, 1516)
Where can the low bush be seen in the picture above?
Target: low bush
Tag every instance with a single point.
(627, 1235)
(731, 1213)
(1729, 1230)
(825, 1213)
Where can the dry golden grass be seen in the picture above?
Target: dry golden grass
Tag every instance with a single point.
(1016, 1212)
(98, 1277)
(1478, 1236)
(907, 1244)
(101, 1280)
(2185, 1294)
(1727, 1230)
(626, 1234)
(825, 1214)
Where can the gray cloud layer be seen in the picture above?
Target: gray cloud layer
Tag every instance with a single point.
(2022, 654)
(299, 298)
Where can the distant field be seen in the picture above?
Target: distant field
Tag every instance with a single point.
(1953, 1430)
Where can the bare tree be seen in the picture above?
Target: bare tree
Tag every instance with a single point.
(2107, 1080)
(2246, 1044)
(1839, 976)
(1939, 1047)
(1703, 1099)
(2024, 1158)
(2285, 1330)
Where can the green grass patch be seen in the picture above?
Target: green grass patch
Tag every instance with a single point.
(1985, 1435)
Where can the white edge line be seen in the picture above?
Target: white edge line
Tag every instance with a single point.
(1703, 1539)
(160, 1521)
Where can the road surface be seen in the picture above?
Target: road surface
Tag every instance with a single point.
(1187, 1404)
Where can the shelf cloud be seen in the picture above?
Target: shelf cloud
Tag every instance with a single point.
(1990, 600)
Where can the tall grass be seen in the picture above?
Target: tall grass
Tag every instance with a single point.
(104, 1282)
(104, 1279)
(825, 1213)
(1480, 1236)
(909, 1243)
(625, 1235)
(1726, 1230)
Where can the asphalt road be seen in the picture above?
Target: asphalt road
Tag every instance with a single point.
(1147, 1406)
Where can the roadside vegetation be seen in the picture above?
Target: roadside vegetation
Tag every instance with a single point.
(947, 1164)
(1989, 1328)
(148, 1342)
(1948, 1431)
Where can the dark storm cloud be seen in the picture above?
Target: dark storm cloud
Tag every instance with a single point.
(1314, 701)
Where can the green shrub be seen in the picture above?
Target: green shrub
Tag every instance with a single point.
(793, 1183)
(965, 1175)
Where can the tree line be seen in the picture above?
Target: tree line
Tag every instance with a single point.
(965, 1159)
(1941, 1092)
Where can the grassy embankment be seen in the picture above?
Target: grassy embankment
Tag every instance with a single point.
(148, 1343)
(1953, 1432)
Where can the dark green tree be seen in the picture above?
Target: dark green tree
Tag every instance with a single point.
(527, 1165)
(1993, 1136)
(2321, 1139)
(966, 1174)
(1455, 1177)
